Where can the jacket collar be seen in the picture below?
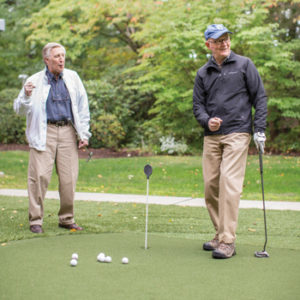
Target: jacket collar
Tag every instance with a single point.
(212, 63)
(51, 76)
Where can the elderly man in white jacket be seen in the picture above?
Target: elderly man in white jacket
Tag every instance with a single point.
(56, 106)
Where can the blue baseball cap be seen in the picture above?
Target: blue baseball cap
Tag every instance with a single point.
(214, 31)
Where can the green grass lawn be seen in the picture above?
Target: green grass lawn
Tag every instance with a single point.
(172, 176)
(168, 221)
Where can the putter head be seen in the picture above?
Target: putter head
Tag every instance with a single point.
(261, 254)
(89, 157)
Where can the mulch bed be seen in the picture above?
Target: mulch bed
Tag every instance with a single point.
(106, 153)
(97, 153)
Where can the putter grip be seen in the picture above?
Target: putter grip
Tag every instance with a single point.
(261, 148)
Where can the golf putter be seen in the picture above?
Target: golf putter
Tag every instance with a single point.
(263, 253)
(85, 148)
(90, 155)
(148, 172)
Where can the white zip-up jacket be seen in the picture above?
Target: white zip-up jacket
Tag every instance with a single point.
(34, 107)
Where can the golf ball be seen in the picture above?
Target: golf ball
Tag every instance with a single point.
(75, 256)
(73, 262)
(101, 257)
(125, 260)
(108, 259)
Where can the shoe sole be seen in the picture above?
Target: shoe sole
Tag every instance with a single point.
(66, 227)
(208, 248)
(37, 232)
(221, 255)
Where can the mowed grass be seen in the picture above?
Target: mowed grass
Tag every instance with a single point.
(166, 221)
(172, 176)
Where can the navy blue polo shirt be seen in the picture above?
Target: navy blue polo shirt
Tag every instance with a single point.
(58, 105)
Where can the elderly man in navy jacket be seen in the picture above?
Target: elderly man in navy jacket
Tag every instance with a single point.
(226, 88)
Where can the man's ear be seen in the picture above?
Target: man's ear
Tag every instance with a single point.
(207, 44)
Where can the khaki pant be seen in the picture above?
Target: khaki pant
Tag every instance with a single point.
(224, 164)
(61, 150)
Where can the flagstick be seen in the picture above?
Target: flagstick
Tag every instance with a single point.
(146, 229)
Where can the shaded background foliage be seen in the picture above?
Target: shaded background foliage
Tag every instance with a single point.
(138, 60)
(12, 126)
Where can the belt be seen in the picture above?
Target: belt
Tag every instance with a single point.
(59, 123)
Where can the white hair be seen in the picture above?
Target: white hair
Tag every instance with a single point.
(47, 49)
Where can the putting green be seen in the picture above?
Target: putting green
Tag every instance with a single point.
(172, 268)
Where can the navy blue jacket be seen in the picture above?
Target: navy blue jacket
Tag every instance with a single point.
(230, 93)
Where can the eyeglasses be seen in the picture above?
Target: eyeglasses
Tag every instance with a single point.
(220, 42)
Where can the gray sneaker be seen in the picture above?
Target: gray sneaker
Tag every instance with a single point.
(224, 251)
(211, 245)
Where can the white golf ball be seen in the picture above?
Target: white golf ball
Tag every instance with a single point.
(125, 260)
(73, 262)
(108, 259)
(75, 256)
(101, 257)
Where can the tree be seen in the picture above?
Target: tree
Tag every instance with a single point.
(97, 35)
(15, 56)
(175, 50)
(98, 39)
(139, 58)
(284, 103)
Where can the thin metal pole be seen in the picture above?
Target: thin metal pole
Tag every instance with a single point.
(146, 228)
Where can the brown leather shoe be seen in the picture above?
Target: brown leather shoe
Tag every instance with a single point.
(211, 245)
(36, 228)
(70, 226)
(224, 251)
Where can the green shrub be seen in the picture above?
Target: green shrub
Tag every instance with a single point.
(107, 132)
(115, 96)
(284, 124)
(12, 126)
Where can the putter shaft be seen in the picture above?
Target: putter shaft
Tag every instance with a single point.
(263, 197)
(263, 253)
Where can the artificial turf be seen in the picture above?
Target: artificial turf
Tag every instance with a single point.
(172, 268)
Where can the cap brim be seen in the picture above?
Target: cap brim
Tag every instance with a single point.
(218, 34)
